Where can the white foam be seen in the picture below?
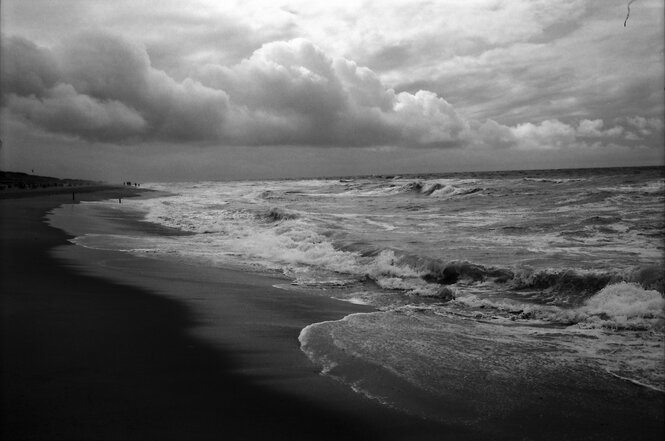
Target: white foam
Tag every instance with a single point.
(329, 217)
(554, 180)
(424, 349)
(383, 225)
(617, 306)
(626, 304)
(356, 301)
(648, 187)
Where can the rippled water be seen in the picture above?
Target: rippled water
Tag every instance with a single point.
(556, 267)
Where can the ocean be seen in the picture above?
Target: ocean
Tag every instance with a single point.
(479, 281)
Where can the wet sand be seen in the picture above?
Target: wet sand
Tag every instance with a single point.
(95, 346)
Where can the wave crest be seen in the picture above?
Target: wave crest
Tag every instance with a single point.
(278, 215)
(626, 301)
(621, 305)
(437, 189)
(455, 271)
(566, 285)
(562, 281)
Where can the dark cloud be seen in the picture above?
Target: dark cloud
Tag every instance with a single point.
(285, 93)
(207, 40)
(525, 83)
(303, 96)
(25, 68)
(105, 66)
(99, 86)
(66, 111)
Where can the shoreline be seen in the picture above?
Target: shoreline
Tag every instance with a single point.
(108, 190)
(107, 345)
(90, 355)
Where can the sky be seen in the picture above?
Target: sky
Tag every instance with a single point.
(206, 90)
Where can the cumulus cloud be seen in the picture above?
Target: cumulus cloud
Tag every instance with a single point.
(553, 134)
(107, 67)
(292, 92)
(645, 126)
(26, 69)
(286, 92)
(429, 119)
(494, 135)
(594, 129)
(548, 134)
(64, 110)
(99, 86)
(304, 96)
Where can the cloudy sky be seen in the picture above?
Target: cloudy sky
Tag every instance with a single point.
(185, 90)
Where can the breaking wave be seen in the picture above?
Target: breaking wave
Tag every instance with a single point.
(556, 280)
(277, 215)
(620, 305)
(562, 281)
(438, 189)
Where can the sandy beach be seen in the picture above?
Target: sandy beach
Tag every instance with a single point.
(105, 345)
(90, 353)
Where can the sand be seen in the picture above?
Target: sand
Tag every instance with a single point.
(104, 351)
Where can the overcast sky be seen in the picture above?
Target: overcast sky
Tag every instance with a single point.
(187, 90)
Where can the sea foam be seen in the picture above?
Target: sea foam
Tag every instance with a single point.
(626, 305)
(620, 305)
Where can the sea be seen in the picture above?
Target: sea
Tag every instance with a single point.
(506, 273)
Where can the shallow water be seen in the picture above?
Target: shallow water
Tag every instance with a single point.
(506, 275)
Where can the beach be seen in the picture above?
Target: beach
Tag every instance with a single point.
(311, 221)
(90, 357)
(102, 344)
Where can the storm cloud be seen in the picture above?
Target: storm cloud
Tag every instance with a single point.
(100, 86)
(506, 84)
